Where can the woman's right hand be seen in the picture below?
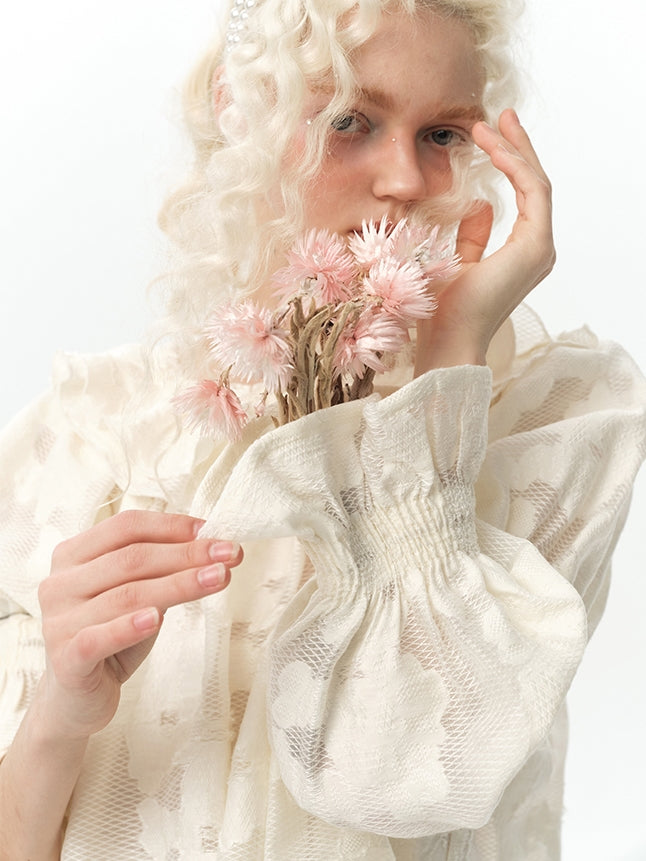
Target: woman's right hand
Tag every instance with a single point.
(103, 606)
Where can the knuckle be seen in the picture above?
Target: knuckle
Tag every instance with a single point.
(48, 595)
(549, 256)
(83, 647)
(193, 553)
(180, 588)
(134, 558)
(177, 592)
(546, 184)
(181, 527)
(185, 557)
(43, 594)
(49, 630)
(129, 522)
(126, 598)
(61, 555)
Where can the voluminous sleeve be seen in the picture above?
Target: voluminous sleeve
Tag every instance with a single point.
(414, 674)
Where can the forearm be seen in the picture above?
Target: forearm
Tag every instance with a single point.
(37, 777)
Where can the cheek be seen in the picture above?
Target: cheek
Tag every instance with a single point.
(328, 184)
(438, 173)
(335, 180)
(327, 191)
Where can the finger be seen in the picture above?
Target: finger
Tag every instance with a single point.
(147, 561)
(533, 192)
(514, 133)
(76, 585)
(133, 597)
(515, 144)
(182, 587)
(474, 232)
(127, 527)
(96, 643)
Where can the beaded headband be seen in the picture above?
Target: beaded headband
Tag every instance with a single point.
(238, 16)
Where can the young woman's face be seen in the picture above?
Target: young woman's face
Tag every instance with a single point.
(419, 93)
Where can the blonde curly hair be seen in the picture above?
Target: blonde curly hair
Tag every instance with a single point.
(259, 85)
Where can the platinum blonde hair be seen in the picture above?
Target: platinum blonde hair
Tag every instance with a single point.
(242, 106)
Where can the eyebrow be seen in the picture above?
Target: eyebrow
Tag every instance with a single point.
(376, 97)
(472, 112)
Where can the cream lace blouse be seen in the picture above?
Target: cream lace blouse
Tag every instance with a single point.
(384, 678)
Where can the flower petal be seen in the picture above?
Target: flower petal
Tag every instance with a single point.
(213, 408)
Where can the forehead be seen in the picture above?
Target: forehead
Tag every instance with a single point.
(424, 55)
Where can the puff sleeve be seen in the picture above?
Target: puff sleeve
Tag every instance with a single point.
(414, 674)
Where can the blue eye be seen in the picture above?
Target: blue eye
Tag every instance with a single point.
(349, 123)
(444, 137)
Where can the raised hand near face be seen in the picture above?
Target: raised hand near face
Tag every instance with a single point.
(473, 306)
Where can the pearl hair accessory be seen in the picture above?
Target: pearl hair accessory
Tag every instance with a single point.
(238, 16)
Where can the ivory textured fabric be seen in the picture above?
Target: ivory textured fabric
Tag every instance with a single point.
(384, 679)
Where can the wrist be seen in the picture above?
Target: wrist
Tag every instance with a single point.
(437, 347)
(52, 718)
(37, 778)
(46, 727)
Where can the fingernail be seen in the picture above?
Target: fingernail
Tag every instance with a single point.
(146, 620)
(197, 526)
(221, 551)
(214, 575)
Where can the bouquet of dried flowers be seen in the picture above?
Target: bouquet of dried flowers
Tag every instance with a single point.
(344, 306)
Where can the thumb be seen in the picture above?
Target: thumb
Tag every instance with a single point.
(474, 232)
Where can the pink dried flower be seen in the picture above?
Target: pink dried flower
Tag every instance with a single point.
(363, 345)
(401, 289)
(441, 268)
(409, 239)
(375, 241)
(320, 265)
(436, 257)
(414, 242)
(247, 339)
(214, 408)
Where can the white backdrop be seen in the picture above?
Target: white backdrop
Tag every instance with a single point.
(90, 143)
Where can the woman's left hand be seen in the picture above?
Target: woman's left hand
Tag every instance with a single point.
(473, 306)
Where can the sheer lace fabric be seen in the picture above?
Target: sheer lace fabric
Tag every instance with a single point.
(385, 676)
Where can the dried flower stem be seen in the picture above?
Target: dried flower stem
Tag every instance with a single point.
(348, 304)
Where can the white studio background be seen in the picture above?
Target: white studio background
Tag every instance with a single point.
(89, 145)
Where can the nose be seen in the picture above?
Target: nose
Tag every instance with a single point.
(398, 173)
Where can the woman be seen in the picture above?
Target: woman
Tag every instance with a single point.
(391, 685)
